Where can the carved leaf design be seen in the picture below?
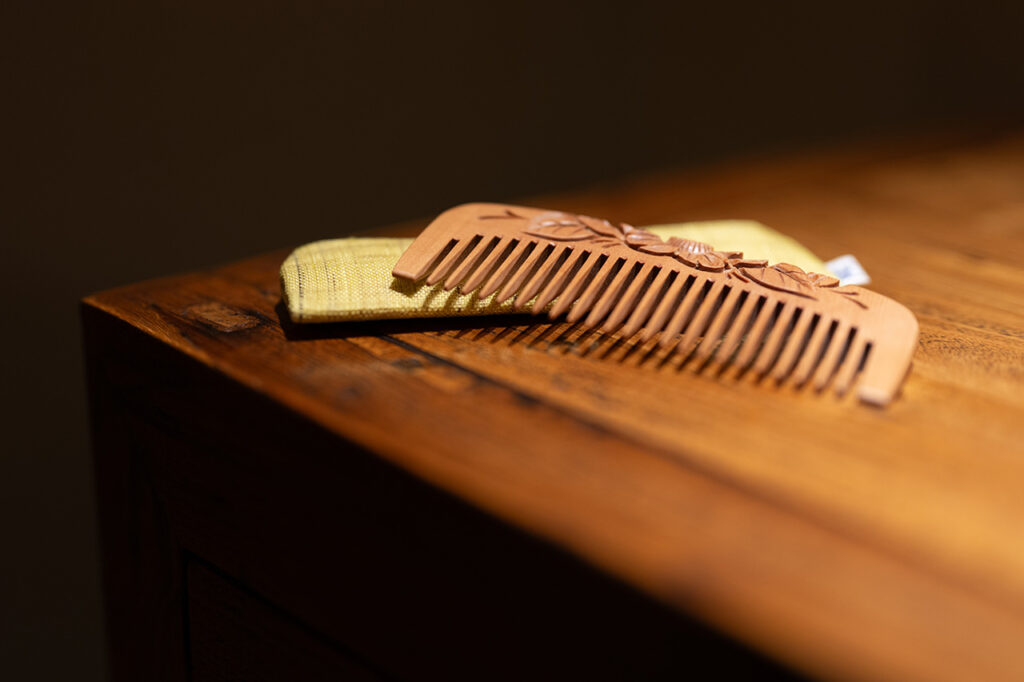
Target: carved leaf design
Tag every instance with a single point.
(560, 230)
(823, 281)
(740, 262)
(659, 248)
(782, 277)
(708, 260)
(689, 245)
(712, 260)
(786, 277)
(638, 238)
(601, 227)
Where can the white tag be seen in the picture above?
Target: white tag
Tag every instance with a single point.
(849, 270)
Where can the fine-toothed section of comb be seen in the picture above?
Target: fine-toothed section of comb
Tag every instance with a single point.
(537, 255)
(773, 342)
(814, 351)
(856, 357)
(611, 294)
(669, 302)
(472, 259)
(852, 365)
(662, 280)
(584, 275)
(430, 262)
(542, 275)
(506, 268)
(594, 289)
(640, 283)
(498, 254)
(454, 257)
(560, 280)
(794, 346)
(837, 347)
(739, 327)
(682, 315)
(724, 320)
(766, 317)
(704, 315)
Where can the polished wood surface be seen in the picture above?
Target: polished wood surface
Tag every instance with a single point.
(841, 540)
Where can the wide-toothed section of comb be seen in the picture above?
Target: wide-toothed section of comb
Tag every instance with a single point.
(769, 334)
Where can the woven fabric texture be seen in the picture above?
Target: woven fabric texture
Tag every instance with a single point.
(337, 280)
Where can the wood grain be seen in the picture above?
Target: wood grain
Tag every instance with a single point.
(842, 540)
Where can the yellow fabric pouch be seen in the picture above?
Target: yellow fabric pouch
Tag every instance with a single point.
(336, 280)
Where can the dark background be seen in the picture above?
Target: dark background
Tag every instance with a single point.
(143, 139)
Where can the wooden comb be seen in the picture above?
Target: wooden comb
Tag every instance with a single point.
(775, 320)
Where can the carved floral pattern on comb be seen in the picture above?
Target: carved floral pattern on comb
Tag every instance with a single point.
(567, 227)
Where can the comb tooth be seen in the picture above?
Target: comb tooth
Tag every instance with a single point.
(522, 272)
(591, 291)
(848, 370)
(792, 346)
(449, 261)
(775, 339)
(828, 362)
(506, 267)
(469, 264)
(647, 302)
(609, 296)
(591, 263)
(627, 299)
(682, 313)
(667, 305)
(718, 326)
(739, 326)
(562, 278)
(815, 347)
(487, 266)
(752, 342)
(702, 317)
(555, 261)
(427, 263)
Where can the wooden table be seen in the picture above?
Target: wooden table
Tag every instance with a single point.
(494, 499)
